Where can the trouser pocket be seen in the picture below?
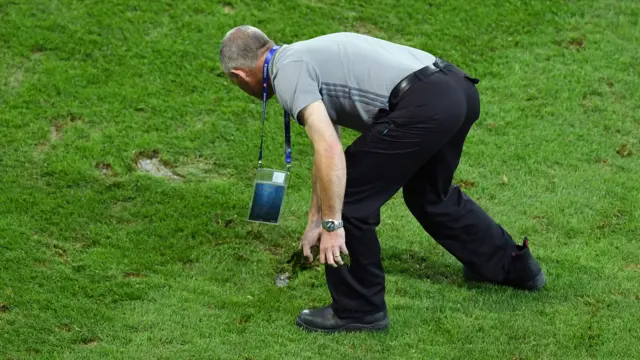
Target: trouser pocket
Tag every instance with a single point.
(380, 128)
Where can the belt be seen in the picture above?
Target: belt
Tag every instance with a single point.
(414, 77)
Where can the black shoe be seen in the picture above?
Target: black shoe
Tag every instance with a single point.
(524, 273)
(324, 320)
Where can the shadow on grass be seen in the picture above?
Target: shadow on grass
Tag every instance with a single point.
(409, 263)
(396, 261)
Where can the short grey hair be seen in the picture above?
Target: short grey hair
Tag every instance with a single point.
(242, 47)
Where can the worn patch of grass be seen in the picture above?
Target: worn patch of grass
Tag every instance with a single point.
(100, 260)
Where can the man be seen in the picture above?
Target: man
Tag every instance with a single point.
(414, 112)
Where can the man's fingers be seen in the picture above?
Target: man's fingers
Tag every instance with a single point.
(322, 257)
(336, 256)
(343, 249)
(338, 260)
(329, 258)
(306, 251)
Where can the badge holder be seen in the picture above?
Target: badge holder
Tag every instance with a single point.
(270, 186)
(269, 190)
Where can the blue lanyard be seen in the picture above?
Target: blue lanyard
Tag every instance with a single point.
(287, 117)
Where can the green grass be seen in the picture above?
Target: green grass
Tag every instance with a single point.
(98, 260)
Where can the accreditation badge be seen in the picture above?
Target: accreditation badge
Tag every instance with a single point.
(270, 188)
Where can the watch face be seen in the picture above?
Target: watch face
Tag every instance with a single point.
(331, 225)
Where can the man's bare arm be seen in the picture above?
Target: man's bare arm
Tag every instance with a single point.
(315, 214)
(329, 167)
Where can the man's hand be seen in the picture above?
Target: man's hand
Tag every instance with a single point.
(310, 238)
(331, 245)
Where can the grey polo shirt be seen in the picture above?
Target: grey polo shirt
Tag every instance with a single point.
(352, 74)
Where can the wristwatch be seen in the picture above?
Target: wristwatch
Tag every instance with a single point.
(332, 225)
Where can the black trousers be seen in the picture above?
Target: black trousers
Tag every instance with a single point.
(416, 148)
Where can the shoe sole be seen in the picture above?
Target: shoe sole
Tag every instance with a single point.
(533, 285)
(377, 326)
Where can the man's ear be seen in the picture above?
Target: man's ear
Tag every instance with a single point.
(239, 74)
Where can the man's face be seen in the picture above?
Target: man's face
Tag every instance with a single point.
(246, 81)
